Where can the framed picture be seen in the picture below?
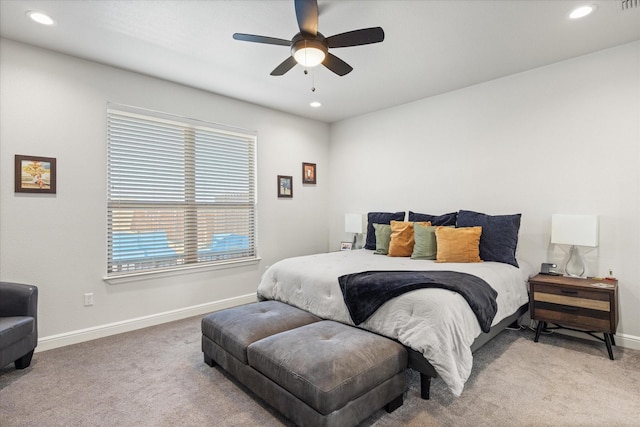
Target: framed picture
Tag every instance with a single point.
(35, 174)
(308, 173)
(345, 246)
(285, 186)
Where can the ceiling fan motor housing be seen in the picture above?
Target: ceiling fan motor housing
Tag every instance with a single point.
(309, 50)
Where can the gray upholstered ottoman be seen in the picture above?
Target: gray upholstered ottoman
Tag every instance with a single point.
(330, 374)
(232, 330)
(321, 373)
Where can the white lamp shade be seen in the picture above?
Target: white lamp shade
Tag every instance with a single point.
(353, 223)
(309, 56)
(579, 230)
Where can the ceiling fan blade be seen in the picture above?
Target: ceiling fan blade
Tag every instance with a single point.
(285, 66)
(261, 39)
(337, 65)
(307, 15)
(356, 37)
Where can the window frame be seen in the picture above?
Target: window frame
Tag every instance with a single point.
(190, 257)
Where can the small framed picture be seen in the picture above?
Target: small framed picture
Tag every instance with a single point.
(345, 246)
(308, 173)
(285, 186)
(35, 174)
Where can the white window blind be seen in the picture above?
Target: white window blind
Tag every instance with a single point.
(180, 192)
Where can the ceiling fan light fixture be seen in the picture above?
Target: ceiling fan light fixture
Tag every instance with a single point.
(309, 53)
(309, 56)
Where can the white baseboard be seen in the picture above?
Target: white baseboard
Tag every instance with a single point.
(88, 334)
(628, 341)
(622, 340)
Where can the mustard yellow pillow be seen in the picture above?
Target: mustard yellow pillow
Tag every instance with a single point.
(402, 240)
(458, 244)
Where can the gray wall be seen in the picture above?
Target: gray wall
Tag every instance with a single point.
(55, 106)
(559, 139)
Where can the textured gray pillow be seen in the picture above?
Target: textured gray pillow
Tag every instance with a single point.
(425, 242)
(383, 237)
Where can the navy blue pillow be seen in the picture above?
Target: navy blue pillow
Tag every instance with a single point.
(499, 238)
(446, 219)
(379, 218)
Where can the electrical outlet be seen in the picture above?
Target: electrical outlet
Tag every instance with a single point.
(88, 299)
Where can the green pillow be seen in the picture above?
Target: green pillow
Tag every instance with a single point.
(425, 242)
(383, 237)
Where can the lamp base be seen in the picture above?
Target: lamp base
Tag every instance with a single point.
(575, 265)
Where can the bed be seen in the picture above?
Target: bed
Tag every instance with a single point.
(437, 326)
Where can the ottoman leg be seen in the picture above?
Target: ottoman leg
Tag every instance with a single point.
(394, 404)
(209, 361)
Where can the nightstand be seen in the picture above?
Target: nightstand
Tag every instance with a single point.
(582, 305)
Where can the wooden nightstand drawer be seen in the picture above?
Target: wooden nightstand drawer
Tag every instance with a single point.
(579, 317)
(573, 297)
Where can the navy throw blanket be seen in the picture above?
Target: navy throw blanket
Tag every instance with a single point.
(365, 292)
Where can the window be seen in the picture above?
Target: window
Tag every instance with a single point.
(180, 192)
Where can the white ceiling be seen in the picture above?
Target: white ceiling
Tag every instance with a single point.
(430, 47)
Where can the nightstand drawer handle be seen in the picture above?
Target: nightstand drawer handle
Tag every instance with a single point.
(564, 291)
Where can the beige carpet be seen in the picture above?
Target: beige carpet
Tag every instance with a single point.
(156, 377)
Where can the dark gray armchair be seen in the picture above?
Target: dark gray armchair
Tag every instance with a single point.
(18, 323)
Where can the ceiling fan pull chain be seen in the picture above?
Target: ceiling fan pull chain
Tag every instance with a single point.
(305, 54)
(306, 71)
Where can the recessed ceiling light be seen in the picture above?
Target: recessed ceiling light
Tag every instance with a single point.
(316, 104)
(582, 11)
(40, 18)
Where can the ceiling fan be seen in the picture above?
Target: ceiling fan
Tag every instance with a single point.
(309, 47)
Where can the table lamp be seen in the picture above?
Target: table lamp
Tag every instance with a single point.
(353, 223)
(574, 230)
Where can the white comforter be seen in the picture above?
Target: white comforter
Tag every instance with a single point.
(435, 322)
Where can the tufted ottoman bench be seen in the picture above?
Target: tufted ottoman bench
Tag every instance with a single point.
(320, 373)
